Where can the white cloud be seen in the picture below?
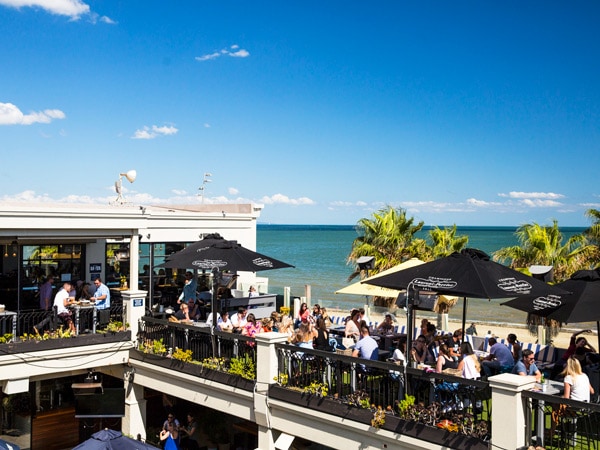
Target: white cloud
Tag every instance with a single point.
(70, 8)
(540, 203)
(12, 115)
(206, 125)
(284, 199)
(233, 191)
(240, 54)
(154, 132)
(236, 53)
(522, 195)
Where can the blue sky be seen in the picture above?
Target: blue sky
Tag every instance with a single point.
(467, 113)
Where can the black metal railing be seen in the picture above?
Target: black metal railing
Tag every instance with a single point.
(198, 339)
(467, 403)
(559, 423)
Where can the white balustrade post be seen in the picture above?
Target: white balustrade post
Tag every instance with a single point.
(266, 374)
(508, 411)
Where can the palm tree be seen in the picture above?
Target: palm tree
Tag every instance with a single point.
(593, 235)
(544, 245)
(389, 236)
(445, 242)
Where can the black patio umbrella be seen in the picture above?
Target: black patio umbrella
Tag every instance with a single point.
(112, 440)
(217, 254)
(469, 273)
(214, 252)
(580, 304)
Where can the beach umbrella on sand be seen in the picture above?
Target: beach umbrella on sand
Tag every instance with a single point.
(469, 273)
(217, 254)
(580, 304)
(112, 440)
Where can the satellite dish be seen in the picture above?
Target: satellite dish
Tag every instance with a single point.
(130, 175)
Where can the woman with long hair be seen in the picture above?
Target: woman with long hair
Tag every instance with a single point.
(252, 326)
(577, 383)
(352, 325)
(445, 361)
(322, 339)
(469, 363)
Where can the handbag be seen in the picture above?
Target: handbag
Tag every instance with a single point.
(348, 342)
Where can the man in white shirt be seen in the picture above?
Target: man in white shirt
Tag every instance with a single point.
(224, 323)
(239, 319)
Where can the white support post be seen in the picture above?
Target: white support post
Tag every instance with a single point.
(508, 409)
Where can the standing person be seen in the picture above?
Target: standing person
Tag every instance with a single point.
(189, 288)
(527, 367)
(303, 315)
(170, 437)
(316, 313)
(472, 330)
(101, 297)
(352, 329)
(46, 294)
(189, 440)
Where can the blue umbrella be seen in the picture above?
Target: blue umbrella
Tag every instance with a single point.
(4, 445)
(112, 440)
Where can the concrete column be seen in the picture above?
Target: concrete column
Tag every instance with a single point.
(134, 261)
(508, 409)
(266, 373)
(134, 422)
(134, 307)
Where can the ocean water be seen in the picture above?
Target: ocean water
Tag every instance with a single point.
(319, 254)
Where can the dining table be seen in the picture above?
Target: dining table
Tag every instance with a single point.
(83, 305)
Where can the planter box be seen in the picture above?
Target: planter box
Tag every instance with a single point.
(194, 369)
(52, 344)
(392, 423)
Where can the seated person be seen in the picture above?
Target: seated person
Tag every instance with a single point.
(61, 302)
(469, 363)
(419, 351)
(499, 360)
(400, 351)
(366, 347)
(515, 347)
(239, 319)
(183, 313)
(526, 366)
(194, 310)
(224, 323)
(445, 360)
(577, 383)
(387, 326)
(575, 342)
(453, 344)
(209, 319)
(252, 292)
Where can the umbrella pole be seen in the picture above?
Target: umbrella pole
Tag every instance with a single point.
(598, 328)
(464, 316)
(214, 311)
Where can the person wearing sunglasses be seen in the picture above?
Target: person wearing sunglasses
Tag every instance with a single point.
(526, 366)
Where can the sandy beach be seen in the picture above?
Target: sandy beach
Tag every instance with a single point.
(500, 330)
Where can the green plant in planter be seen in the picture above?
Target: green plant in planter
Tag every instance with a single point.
(182, 355)
(115, 326)
(281, 379)
(404, 405)
(359, 398)
(244, 367)
(213, 363)
(154, 347)
(318, 389)
(6, 338)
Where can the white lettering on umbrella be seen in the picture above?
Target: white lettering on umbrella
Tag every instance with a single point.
(552, 301)
(434, 283)
(514, 285)
(262, 262)
(209, 263)
(201, 249)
